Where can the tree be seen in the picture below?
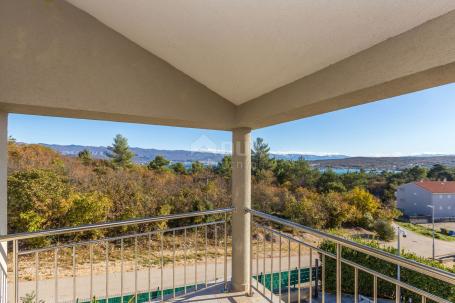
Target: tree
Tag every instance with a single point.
(85, 156)
(224, 167)
(366, 207)
(120, 154)
(440, 172)
(329, 181)
(37, 200)
(160, 163)
(178, 168)
(196, 167)
(260, 159)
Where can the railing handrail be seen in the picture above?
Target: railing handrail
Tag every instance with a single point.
(87, 227)
(380, 254)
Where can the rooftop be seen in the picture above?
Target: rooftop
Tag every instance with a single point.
(438, 187)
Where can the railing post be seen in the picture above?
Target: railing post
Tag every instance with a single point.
(3, 204)
(338, 273)
(241, 199)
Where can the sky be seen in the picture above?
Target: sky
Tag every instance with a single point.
(413, 124)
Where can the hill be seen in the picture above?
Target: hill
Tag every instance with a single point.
(385, 163)
(145, 155)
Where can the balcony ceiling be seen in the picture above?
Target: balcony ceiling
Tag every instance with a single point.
(218, 64)
(244, 49)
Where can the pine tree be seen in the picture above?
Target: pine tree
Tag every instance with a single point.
(159, 163)
(260, 158)
(85, 156)
(120, 152)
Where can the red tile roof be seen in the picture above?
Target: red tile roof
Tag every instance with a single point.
(438, 187)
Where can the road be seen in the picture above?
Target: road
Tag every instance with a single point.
(422, 245)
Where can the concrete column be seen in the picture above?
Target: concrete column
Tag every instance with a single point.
(3, 202)
(241, 198)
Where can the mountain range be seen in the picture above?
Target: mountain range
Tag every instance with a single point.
(145, 155)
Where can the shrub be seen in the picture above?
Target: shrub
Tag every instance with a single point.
(385, 230)
(385, 289)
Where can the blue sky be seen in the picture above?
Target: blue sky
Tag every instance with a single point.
(412, 124)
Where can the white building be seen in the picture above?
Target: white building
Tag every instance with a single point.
(413, 198)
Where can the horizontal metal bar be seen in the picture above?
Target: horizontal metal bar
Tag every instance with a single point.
(395, 281)
(111, 239)
(66, 230)
(380, 254)
(317, 249)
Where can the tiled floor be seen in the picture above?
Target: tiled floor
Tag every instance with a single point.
(215, 294)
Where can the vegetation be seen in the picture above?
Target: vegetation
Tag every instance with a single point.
(48, 190)
(385, 289)
(384, 230)
(120, 153)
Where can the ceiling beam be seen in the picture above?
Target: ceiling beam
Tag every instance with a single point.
(57, 60)
(420, 58)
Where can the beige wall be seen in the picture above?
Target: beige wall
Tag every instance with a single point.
(421, 58)
(57, 60)
(3, 202)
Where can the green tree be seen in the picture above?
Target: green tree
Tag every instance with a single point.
(160, 163)
(441, 172)
(196, 167)
(85, 156)
(37, 199)
(224, 167)
(329, 181)
(261, 162)
(120, 152)
(178, 168)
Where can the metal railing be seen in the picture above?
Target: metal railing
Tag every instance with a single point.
(262, 224)
(146, 252)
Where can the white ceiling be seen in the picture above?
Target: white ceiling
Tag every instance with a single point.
(242, 49)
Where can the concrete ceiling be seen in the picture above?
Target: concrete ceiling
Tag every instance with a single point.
(218, 64)
(244, 49)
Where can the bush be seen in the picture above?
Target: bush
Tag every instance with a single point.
(385, 230)
(385, 289)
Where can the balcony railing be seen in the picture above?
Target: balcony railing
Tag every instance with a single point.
(270, 245)
(130, 261)
(162, 258)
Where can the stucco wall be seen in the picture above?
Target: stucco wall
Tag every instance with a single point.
(413, 200)
(57, 60)
(444, 205)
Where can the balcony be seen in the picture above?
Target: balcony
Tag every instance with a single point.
(221, 67)
(188, 258)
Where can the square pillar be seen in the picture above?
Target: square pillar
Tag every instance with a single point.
(241, 198)
(3, 203)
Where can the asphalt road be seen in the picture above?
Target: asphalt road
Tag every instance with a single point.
(422, 245)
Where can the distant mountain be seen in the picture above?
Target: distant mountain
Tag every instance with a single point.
(144, 155)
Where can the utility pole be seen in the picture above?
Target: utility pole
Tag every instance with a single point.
(432, 220)
(400, 233)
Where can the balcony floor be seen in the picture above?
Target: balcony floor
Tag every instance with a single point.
(215, 294)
